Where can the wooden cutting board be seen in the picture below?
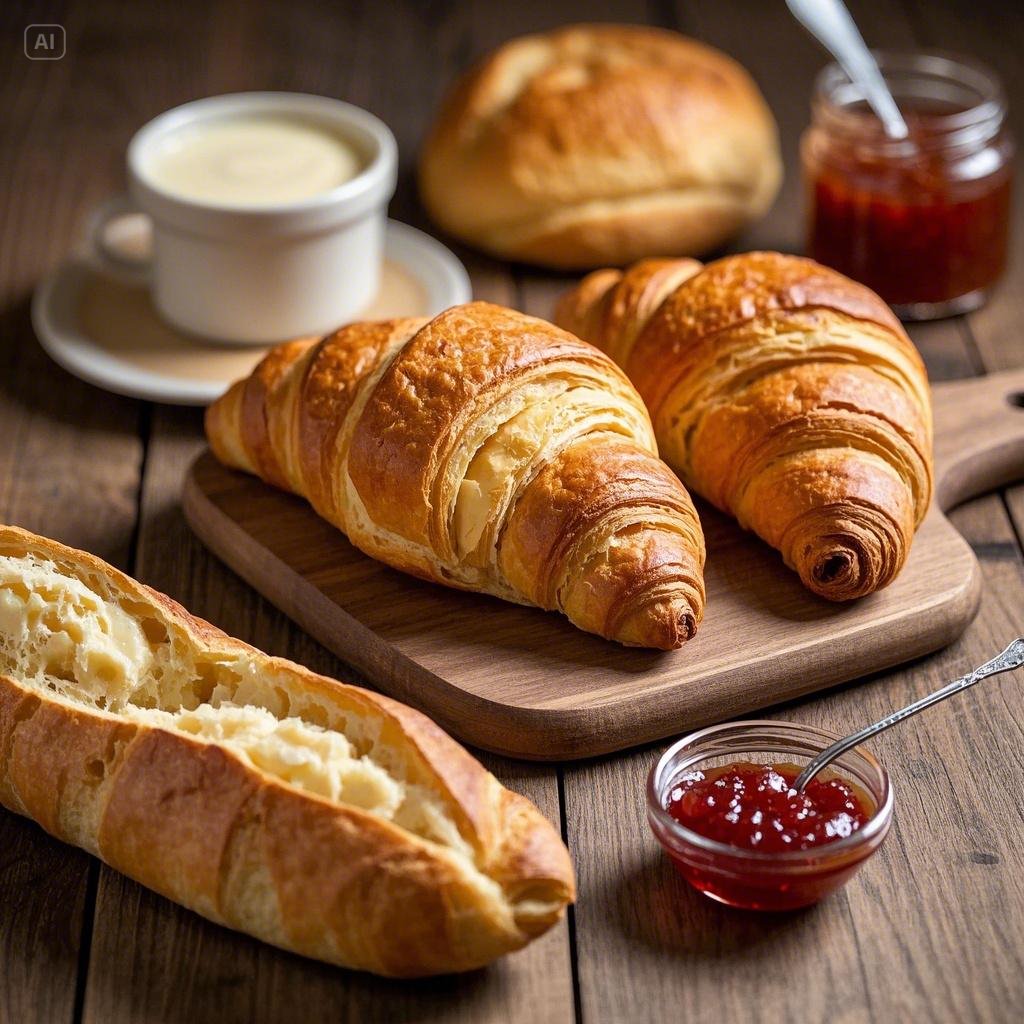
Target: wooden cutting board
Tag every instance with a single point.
(524, 682)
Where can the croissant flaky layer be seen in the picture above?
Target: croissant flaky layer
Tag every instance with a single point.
(784, 393)
(486, 450)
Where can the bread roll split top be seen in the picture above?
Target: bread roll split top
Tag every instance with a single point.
(596, 144)
(319, 817)
(784, 393)
(485, 450)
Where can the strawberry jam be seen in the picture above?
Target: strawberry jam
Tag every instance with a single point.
(754, 806)
(924, 221)
(739, 833)
(909, 229)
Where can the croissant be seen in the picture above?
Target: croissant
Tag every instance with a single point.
(786, 394)
(485, 450)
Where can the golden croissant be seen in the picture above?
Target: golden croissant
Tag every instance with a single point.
(486, 450)
(786, 394)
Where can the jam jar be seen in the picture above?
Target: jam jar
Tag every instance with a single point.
(923, 221)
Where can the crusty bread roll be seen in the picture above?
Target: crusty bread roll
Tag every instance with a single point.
(784, 393)
(485, 450)
(598, 144)
(319, 817)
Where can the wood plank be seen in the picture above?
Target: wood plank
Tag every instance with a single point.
(847, 959)
(941, 930)
(994, 331)
(896, 944)
(150, 958)
(43, 903)
(69, 468)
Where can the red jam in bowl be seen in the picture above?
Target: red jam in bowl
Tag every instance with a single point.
(754, 806)
(740, 834)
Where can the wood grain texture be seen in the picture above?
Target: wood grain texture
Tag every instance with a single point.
(931, 929)
(51, 426)
(43, 901)
(915, 949)
(154, 960)
(557, 693)
(934, 927)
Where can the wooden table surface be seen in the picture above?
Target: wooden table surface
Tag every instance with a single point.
(931, 930)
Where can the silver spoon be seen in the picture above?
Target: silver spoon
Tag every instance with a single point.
(1011, 658)
(830, 23)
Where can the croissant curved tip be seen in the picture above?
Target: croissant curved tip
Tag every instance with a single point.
(841, 573)
(665, 624)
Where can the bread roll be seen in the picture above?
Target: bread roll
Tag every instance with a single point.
(784, 393)
(600, 144)
(316, 816)
(484, 450)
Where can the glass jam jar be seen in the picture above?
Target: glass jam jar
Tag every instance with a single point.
(923, 221)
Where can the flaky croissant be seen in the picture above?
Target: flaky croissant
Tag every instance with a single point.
(784, 393)
(486, 450)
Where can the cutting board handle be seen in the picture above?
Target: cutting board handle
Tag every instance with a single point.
(979, 435)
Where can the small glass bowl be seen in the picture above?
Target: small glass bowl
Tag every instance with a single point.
(751, 879)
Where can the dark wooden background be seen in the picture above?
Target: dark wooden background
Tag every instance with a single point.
(933, 928)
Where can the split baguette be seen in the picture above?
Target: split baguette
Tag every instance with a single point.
(317, 816)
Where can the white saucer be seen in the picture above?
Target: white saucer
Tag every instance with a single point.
(105, 330)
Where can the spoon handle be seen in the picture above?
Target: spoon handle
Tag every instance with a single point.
(1011, 658)
(830, 22)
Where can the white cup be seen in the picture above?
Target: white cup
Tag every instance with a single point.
(261, 274)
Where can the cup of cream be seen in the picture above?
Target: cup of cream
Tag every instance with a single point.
(268, 213)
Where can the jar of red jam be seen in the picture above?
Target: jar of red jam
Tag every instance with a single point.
(923, 221)
(717, 849)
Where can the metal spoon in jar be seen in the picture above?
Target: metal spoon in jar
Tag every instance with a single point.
(1011, 658)
(831, 24)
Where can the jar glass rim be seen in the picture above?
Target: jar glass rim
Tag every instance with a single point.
(657, 782)
(983, 100)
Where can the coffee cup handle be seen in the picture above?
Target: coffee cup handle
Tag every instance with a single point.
(119, 237)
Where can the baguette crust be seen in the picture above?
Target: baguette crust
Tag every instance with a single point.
(437, 445)
(204, 821)
(596, 144)
(784, 393)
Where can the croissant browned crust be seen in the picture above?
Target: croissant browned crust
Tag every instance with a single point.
(784, 393)
(486, 450)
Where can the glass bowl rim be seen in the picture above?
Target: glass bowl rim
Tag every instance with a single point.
(876, 825)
